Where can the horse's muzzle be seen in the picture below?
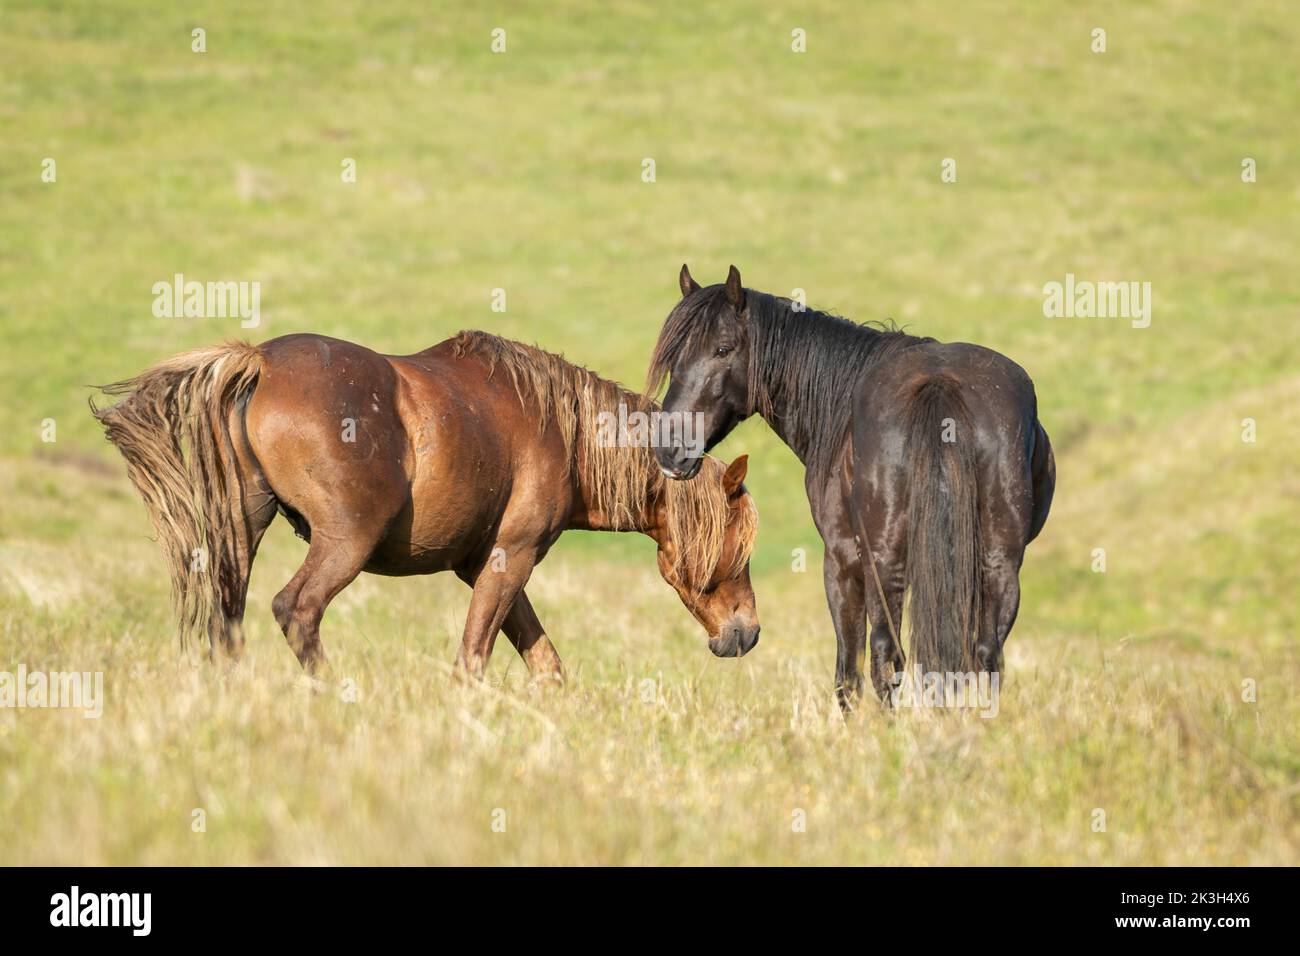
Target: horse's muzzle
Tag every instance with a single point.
(736, 639)
(678, 464)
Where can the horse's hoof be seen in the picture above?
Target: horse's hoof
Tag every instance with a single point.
(314, 685)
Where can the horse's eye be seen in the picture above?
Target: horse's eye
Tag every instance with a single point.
(723, 350)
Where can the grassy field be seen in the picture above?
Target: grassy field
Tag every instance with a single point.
(522, 170)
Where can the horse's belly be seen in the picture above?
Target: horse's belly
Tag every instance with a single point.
(447, 519)
(402, 560)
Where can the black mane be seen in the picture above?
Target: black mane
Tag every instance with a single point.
(803, 365)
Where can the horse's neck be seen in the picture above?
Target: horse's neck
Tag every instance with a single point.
(796, 427)
(589, 514)
(785, 429)
(788, 427)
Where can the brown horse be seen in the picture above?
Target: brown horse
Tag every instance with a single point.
(928, 471)
(471, 456)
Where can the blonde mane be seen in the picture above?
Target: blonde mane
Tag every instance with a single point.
(622, 481)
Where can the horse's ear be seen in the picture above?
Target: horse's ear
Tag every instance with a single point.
(735, 294)
(734, 476)
(688, 284)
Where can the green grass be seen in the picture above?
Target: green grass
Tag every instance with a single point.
(522, 170)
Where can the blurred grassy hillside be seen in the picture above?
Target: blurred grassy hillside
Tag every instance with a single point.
(522, 170)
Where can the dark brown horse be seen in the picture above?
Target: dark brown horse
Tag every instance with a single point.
(928, 471)
(472, 456)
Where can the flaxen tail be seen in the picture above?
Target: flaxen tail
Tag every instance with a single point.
(943, 547)
(172, 429)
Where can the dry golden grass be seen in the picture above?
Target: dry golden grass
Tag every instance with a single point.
(655, 753)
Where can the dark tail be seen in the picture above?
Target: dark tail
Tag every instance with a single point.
(172, 430)
(943, 544)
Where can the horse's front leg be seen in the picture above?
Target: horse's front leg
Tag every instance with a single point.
(529, 638)
(842, 575)
(497, 584)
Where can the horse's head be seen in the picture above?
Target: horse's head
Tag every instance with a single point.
(704, 351)
(705, 538)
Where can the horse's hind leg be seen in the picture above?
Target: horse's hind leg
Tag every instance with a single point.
(234, 593)
(334, 559)
(885, 545)
(1000, 601)
(331, 565)
(252, 511)
(886, 654)
(1007, 519)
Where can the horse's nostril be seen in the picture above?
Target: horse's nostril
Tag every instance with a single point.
(673, 467)
(747, 640)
